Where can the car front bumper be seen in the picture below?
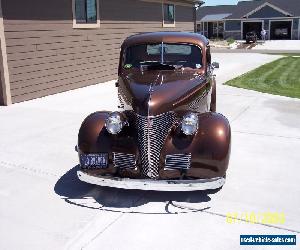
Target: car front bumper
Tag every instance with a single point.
(155, 185)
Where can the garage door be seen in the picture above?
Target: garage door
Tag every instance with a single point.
(281, 30)
(252, 27)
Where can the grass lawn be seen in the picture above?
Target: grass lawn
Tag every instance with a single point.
(281, 77)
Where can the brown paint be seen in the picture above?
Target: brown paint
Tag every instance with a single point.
(172, 90)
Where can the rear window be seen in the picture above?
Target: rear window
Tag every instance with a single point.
(184, 55)
(169, 49)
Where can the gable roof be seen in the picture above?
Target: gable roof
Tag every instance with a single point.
(291, 6)
(214, 10)
(243, 8)
(267, 4)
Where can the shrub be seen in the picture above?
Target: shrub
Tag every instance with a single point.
(230, 40)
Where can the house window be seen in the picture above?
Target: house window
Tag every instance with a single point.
(200, 27)
(221, 30)
(168, 15)
(215, 29)
(86, 14)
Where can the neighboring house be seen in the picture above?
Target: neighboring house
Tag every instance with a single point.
(53, 46)
(280, 18)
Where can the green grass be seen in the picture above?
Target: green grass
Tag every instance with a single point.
(281, 77)
(230, 40)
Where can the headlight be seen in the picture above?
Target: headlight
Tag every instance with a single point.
(114, 123)
(189, 124)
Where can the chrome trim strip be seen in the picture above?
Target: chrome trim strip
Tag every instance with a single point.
(178, 161)
(155, 185)
(122, 160)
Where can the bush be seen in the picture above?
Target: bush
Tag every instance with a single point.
(230, 40)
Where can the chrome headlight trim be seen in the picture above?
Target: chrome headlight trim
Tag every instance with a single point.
(189, 124)
(115, 122)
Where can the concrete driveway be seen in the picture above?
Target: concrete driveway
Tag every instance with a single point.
(44, 206)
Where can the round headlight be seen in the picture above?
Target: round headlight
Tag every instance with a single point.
(189, 124)
(114, 123)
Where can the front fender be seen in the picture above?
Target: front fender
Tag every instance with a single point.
(209, 148)
(93, 128)
(94, 138)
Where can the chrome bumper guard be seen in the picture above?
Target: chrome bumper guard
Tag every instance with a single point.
(154, 185)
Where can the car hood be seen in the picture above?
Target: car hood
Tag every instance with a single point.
(156, 92)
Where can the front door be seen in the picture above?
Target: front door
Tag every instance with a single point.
(210, 33)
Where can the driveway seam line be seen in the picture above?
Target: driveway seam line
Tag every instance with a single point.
(102, 231)
(110, 224)
(240, 114)
(225, 216)
(36, 172)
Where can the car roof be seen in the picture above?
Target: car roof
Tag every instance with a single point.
(167, 37)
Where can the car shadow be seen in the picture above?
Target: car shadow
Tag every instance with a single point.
(78, 193)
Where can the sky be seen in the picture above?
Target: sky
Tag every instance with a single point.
(219, 2)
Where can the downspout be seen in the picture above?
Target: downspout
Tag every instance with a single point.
(195, 18)
(196, 6)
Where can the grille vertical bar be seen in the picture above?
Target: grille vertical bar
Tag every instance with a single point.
(152, 132)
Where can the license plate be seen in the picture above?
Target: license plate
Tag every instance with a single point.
(94, 161)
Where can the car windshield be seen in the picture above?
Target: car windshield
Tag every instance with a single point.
(163, 56)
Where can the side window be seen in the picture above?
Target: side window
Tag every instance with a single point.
(168, 15)
(86, 13)
(208, 55)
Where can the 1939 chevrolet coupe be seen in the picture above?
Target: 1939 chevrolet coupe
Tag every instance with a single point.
(166, 135)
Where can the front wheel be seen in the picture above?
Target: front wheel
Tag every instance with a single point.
(213, 101)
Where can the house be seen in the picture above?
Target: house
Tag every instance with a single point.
(53, 46)
(280, 18)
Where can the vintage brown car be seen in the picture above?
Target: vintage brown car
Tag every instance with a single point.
(166, 135)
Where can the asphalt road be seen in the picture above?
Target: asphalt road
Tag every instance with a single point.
(44, 206)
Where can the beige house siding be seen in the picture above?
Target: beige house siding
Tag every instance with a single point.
(1, 81)
(1, 88)
(46, 55)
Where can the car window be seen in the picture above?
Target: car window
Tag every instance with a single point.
(184, 55)
(169, 49)
(208, 55)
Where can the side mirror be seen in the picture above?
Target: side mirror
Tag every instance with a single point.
(215, 65)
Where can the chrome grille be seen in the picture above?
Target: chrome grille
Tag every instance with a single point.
(122, 160)
(152, 132)
(198, 102)
(178, 161)
(121, 102)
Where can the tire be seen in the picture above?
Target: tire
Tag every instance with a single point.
(213, 101)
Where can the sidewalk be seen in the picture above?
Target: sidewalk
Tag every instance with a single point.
(267, 47)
